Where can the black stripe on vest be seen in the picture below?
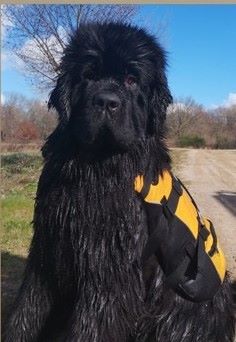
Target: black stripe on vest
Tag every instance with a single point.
(170, 204)
(214, 243)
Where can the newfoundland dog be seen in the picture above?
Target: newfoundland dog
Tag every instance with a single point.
(85, 279)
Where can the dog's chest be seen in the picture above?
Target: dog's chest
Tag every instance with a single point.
(109, 220)
(99, 237)
(113, 219)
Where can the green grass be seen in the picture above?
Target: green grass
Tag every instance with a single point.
(20, 173)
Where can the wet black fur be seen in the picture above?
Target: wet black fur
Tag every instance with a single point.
(84, 279)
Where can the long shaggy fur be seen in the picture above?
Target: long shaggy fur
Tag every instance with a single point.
(85, 279)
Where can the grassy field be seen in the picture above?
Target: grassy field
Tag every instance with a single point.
(20, 172)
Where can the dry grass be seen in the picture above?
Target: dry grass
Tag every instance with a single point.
(178, 156)
(17, 147)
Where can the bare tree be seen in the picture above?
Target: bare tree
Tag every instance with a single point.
(44, 120)
(37, 34)
(189, 122)
(26, 132)
(24, 120)
(182, 116)
(11, 116)
(223, 126)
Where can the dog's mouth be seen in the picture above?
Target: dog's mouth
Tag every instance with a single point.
(107, 141)
(105, 135)
(103, 142)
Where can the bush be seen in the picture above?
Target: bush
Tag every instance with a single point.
(18, 163)
(191, 141)
(224, 143)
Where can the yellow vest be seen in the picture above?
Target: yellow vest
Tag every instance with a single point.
(184, 241)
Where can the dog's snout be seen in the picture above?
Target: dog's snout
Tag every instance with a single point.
(107, 101)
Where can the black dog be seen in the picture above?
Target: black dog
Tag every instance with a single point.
(85, 279)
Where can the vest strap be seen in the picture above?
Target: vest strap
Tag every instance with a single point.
(171, 203)
(145, 189)
(214, 243)
(203, 231)
(173, 279)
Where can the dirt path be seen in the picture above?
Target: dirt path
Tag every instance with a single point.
(210, 175)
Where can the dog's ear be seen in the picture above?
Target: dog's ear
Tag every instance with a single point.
(60, 98)
(160, 99)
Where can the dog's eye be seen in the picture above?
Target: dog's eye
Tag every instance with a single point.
(130, 80)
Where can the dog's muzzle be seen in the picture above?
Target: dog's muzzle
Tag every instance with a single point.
(106, 102)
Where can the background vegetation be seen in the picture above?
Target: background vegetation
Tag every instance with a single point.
(34, 37)
(189, 124)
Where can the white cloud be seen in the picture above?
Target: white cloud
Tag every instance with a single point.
(10, 61)
(36, 56)
(2, 99)
(231, 100)
(177, 106)
(5, 22)
(30, 49)
(7, 61)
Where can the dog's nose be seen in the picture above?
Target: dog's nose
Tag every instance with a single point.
(105, 100)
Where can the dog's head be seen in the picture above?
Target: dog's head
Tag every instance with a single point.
(112, 90)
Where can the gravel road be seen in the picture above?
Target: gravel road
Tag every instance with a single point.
(210, 175)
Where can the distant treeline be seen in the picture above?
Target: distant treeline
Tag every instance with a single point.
(189, 124)
(25, 121)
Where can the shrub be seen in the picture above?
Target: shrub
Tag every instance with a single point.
(223, 142)
(17, 163)
(191, 141)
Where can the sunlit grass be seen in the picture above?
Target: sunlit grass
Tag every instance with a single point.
(20, 172)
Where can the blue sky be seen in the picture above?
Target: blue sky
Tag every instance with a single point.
(201, 45)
